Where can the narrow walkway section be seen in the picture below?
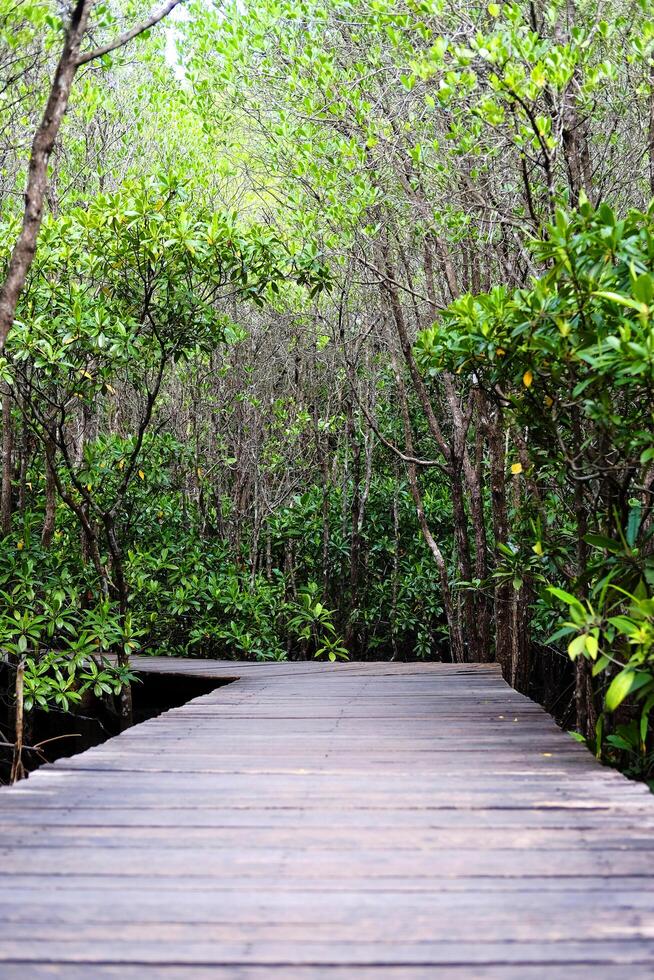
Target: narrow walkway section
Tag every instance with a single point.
(350, 822)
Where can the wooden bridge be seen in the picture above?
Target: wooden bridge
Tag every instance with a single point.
(348, 822)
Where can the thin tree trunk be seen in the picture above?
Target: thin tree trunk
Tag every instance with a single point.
(49, 520)
(37, 176)
(125, 697)
(482, 606)
(325, 525)
(503, 590)
(7, 462)
(395, 577)
(24, 459)
(17, 768)
(584, 695)
(457, 646)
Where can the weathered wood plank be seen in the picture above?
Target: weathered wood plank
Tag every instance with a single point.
(310, 820)
(156, 950)
(72, 971)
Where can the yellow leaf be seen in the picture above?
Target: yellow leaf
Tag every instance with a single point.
(500, 352)
(516, 468)
(142, 474)
(121, 464)
(20, 545)
(89, 486)
(592, 646)
(538, 548)
(549, 401)
(527, 379)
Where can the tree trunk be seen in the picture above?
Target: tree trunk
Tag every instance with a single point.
(37, 176)
(125, 696)
(17, 768)
(475, 483)
(7, 462)
(325, 525)
(43, 143)
(25, 448)
(504, 620)
(395, 576)
(457, 645)
(50, 496)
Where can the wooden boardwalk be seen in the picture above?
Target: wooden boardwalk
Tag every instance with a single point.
(353, 822)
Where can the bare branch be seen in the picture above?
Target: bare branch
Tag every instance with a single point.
(123, 39)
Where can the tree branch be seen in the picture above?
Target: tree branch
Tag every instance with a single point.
(123, 39)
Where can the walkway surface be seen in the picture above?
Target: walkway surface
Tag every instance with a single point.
(353, 822)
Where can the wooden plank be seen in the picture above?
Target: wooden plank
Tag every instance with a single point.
(72, 971)
(309, 820)
(156, 950)
(327, 837)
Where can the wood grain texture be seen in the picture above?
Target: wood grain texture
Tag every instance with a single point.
(393, 821)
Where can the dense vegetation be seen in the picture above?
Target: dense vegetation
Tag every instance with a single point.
(337, 341)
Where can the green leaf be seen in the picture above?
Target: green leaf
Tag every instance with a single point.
(577, 647)
(624, 625)
(599, 733)
(564, 596)
(642, 288)
(632, 304)
(644, 720)
(601, 541)
(592, 646)
(626, 682)
(560, 633)
(633, 523)
(600, 665)
(618, 742)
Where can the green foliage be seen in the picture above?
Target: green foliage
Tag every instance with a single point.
(183, 372)
(63, 643)
(615, 630)
(134, 277)
(573, 358)
(189, 596)
(312, 624)
(195, 602)
(577, 344)
(121, 291)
